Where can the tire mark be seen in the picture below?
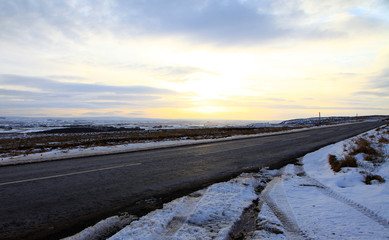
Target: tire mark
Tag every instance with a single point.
(299, 169)
(287, 218)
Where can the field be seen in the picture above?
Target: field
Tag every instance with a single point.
(64, 135)
(14, 144)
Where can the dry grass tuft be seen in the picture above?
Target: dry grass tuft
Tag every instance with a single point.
(363, 146)
(337, 165)
(383, 140)
(374, 159)
(348, 161)
(370, 177)
(334, 163)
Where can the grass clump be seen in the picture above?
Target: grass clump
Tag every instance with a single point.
(370, 153)
(334, 163)
(374, 159)
(337, 165)
(363, 146)
(369, 178)
(383, 140)
(371, 149)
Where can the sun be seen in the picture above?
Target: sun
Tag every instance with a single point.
(209, 86)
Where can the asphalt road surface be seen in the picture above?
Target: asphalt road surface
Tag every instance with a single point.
(52, 199)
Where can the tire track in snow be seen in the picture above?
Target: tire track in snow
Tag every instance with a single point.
(284, 212)
(178, 221)
(299, 170)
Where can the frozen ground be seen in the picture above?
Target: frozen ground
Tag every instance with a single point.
(307, 200)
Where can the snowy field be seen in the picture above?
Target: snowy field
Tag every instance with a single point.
(307, 200)
(28, 125)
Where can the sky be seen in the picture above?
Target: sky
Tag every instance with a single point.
(194, 59)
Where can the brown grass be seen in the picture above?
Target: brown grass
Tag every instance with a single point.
(370, 177)
(337, 165)
(334, 163)
(363, 146)
(374, 159)
(383, 140)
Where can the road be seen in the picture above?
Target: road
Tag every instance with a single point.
(52, 199)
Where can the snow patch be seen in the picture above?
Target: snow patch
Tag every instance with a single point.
(103, 228)
(349, 181)
(208, 214)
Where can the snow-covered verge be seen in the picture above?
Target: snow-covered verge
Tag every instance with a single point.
(58, 154)
(312, 201)
(350, 181)
(206, 214)
(104, 228)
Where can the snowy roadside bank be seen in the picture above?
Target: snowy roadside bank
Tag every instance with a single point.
(312, 201)
(132, 147)
(308, 200)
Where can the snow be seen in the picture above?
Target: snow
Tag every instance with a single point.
(25, 125)
(270, 228)
(206, 214)
(103, 228)
(311, 201)
(319, 216)
(349, 181)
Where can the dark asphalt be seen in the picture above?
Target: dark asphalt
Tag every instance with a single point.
(52, 199)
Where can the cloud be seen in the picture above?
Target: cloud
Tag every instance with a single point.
(285, 104)
(211, 20)
(167, 70)
(111, 113)
(47, 93)
(381, 81)
(226, 22)
(48, 85)
(376, 89)
(280, 106)
(178, 71)
(171, 73)
(44, 21)
(373, 93)
(67, 77)
(137, 113)
(378, 85)
(276, 99)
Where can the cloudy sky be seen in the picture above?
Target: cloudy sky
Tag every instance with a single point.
(225, 59)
